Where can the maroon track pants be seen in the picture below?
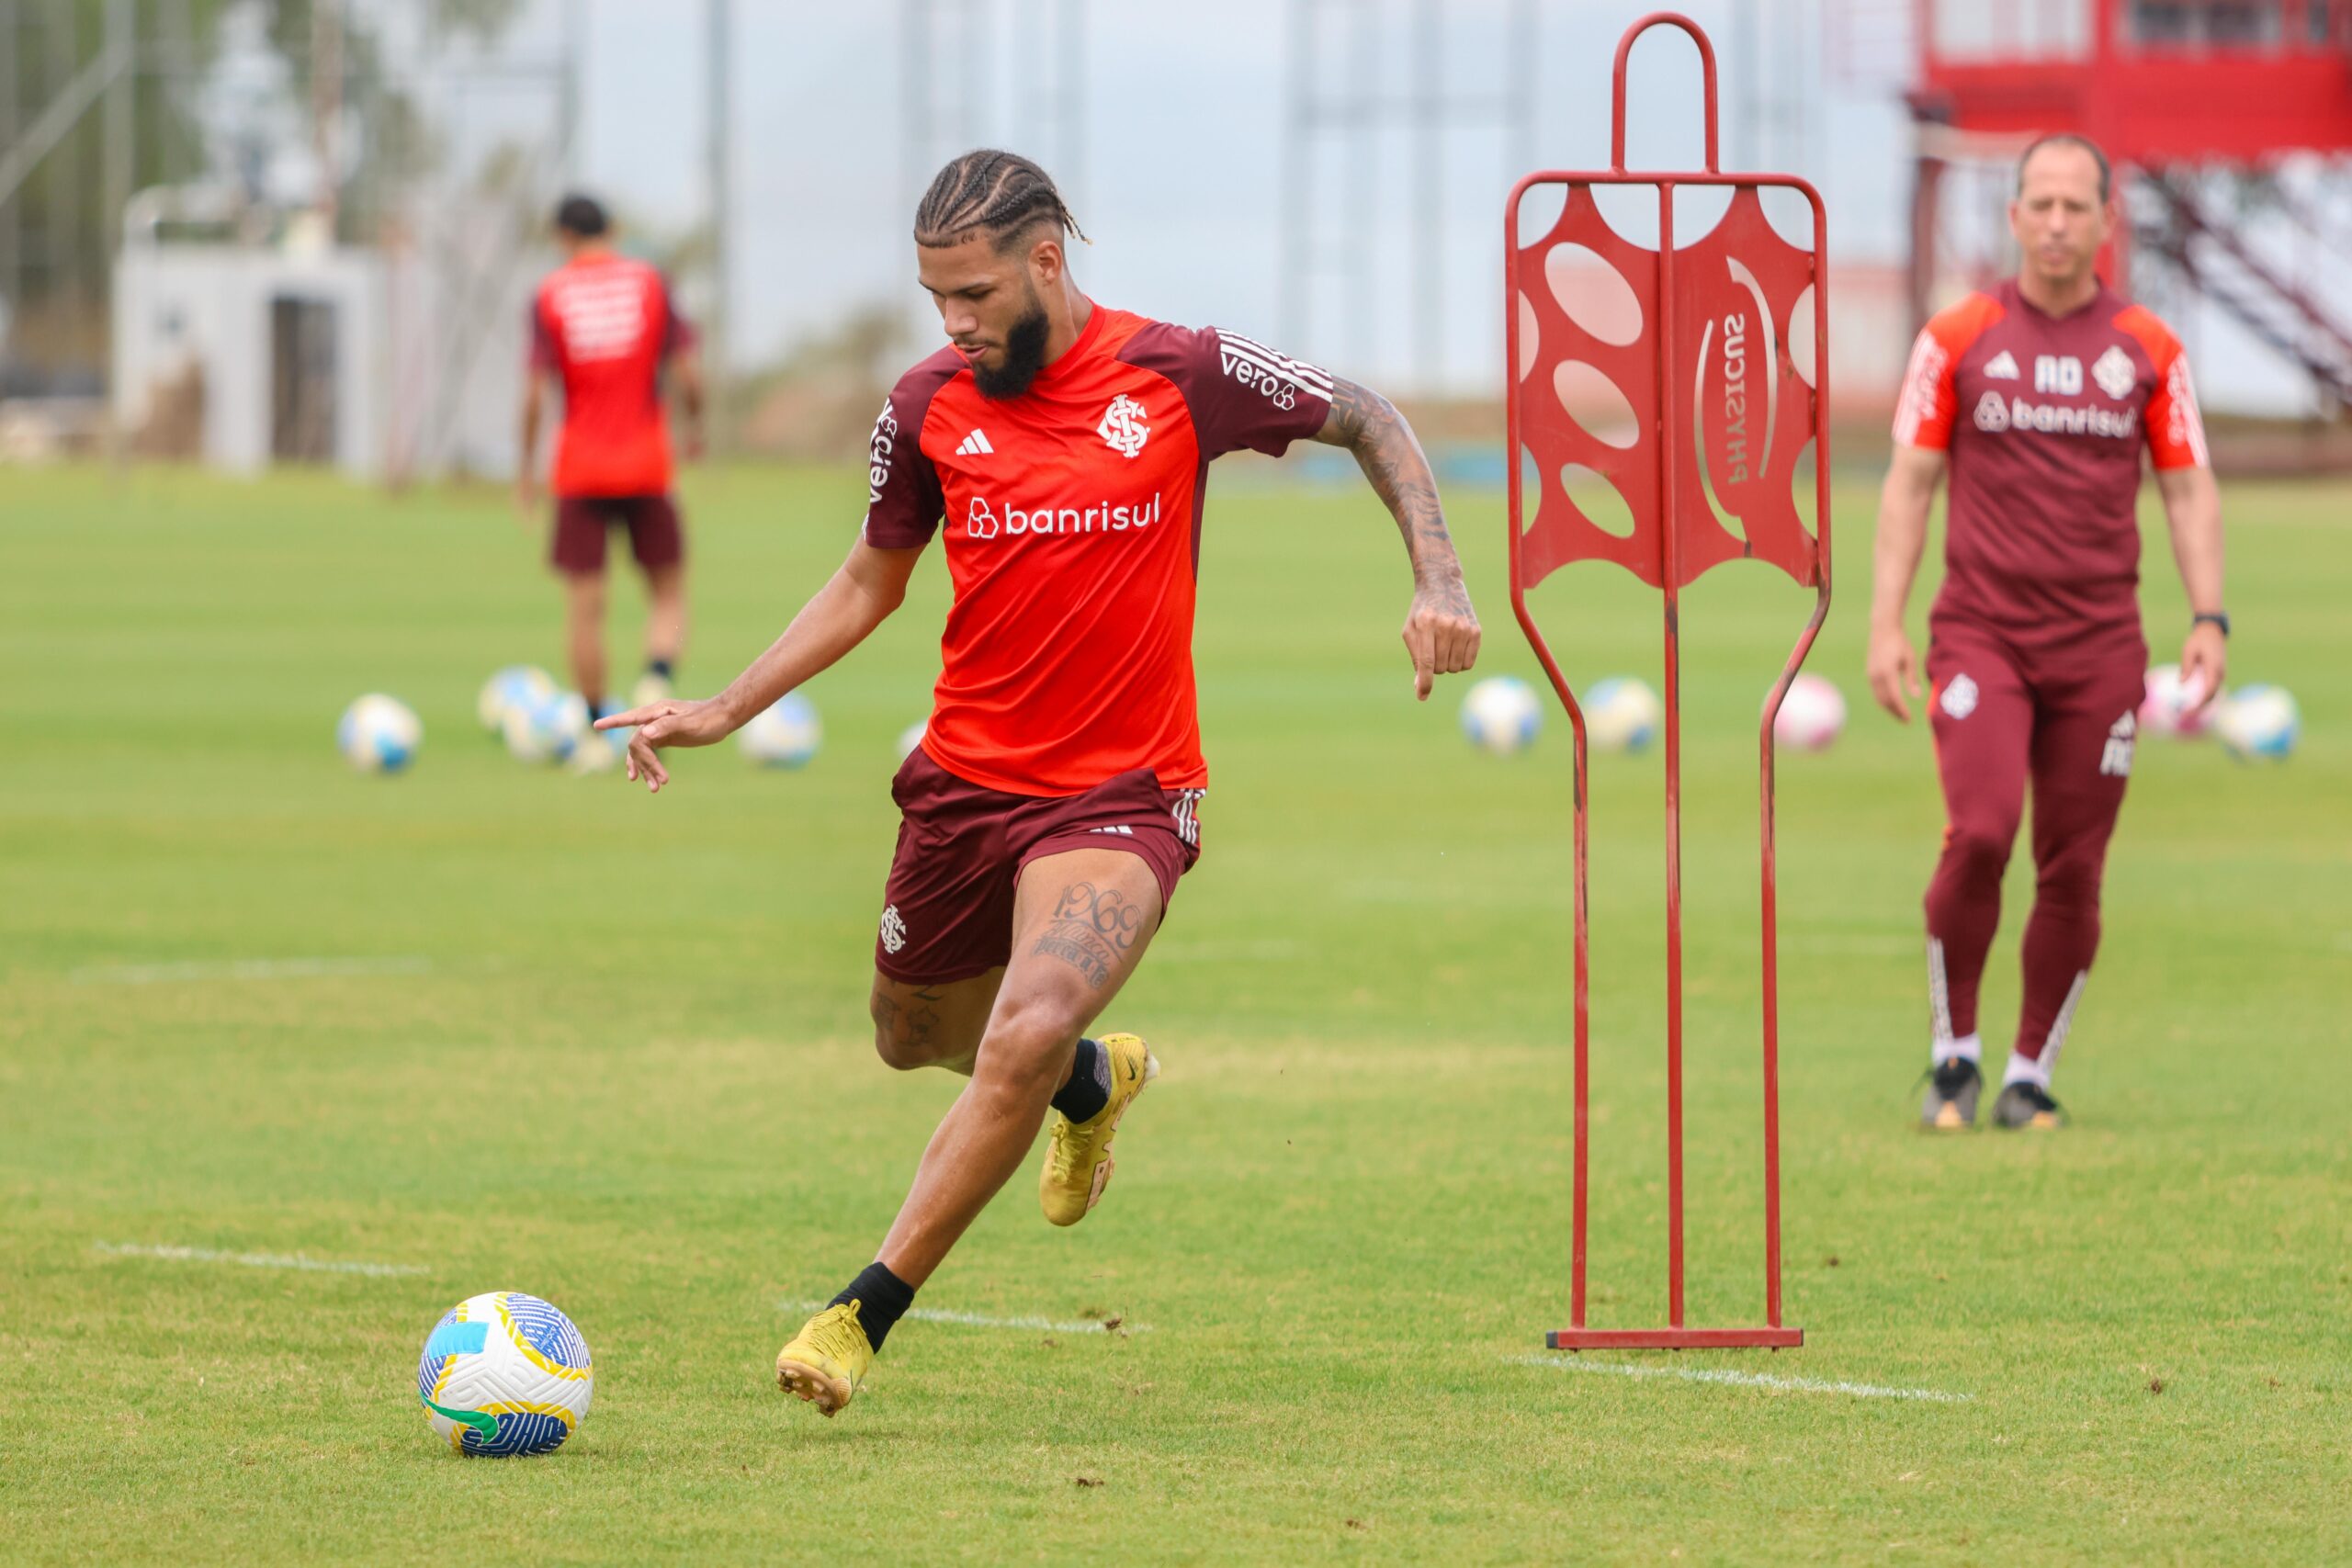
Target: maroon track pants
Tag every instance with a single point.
(1999, 718)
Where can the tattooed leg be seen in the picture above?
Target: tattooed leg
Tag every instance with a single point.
(932, 1026)
(1082, 922)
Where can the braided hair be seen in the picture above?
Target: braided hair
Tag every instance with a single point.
(1000, 194)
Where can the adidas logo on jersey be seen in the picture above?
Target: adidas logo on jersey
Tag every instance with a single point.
(974, 445)
(2002, 367)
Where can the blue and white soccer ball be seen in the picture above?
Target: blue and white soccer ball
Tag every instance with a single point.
(1621, 714)
(515, 684)
(545, 729)
(378, 733)
(1500, 714)
(505, 1373)
(2258, 723)
(783, 735)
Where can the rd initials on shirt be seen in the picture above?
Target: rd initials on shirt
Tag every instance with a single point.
(2061, 374)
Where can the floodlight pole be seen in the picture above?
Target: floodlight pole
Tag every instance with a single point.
(720, 162)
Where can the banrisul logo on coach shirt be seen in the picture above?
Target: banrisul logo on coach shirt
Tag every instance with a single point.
(984, 519)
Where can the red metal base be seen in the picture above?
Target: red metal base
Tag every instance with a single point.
(1673, 1339)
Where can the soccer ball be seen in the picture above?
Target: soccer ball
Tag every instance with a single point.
(2258, 723)
(2169, 706)
(545, 729)
(911, 737)
(505, 1373)
(783, 735)
(1811, 715)
(378, 733)
(514, 685)
(1501, 715)
(1621, 714)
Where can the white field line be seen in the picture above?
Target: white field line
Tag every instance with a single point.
(258, 1259)
(978, 1320)
(247, 969)
(1743, 1379)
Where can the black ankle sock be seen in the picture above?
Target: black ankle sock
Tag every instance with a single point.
(658, 666)
(1088, 1090)
(882, 1299)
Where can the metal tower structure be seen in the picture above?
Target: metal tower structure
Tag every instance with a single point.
(2203, 105)
(1341, 108)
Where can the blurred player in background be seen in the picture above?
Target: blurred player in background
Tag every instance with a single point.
(2040, 396)
(605, 326)
(1054, 800)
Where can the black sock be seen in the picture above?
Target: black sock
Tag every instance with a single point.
(1088, 1090)
(658, 666)
(882, 1299)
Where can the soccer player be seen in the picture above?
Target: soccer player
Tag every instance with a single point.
(2039, 397)
(603, 324)
(1054, 800)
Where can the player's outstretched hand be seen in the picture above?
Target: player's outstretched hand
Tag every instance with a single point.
(1894, 670)
(1441, 633)
(666, 723)
(2204, 659)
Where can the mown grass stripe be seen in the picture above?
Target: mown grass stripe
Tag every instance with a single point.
(248, 969)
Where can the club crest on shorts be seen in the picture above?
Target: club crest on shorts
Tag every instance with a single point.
(1960, 697)
(2116, 760)
(894, 930)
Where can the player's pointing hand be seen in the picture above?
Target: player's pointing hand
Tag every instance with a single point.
(1440, 633)
(667, 723)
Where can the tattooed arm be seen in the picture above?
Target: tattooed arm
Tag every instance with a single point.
(1441, 629)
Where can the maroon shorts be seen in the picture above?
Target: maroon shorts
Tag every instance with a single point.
(582, 522)
(948, 910)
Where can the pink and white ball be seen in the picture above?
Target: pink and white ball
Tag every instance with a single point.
(1812, 715)
(2171, 705)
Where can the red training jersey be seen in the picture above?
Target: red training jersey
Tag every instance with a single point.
(2046, 418)
(1073, 517)
(604, 323)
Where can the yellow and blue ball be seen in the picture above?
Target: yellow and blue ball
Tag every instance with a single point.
(505, 1373)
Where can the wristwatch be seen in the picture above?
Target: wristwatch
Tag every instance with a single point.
(2218, 617)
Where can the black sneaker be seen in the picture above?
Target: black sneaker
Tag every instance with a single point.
(2027, 1105)
(1952, 1087)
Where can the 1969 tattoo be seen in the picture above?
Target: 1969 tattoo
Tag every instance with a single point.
(1092, 928)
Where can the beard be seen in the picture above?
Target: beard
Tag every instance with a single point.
(1025, 354)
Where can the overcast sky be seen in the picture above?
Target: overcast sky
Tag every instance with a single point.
(1175, 166)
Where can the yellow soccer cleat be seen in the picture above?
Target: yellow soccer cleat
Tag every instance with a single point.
(827, 1359)
(650, 689)
(1078, 1161)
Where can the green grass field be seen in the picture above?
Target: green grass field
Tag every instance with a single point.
(613, 1050)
